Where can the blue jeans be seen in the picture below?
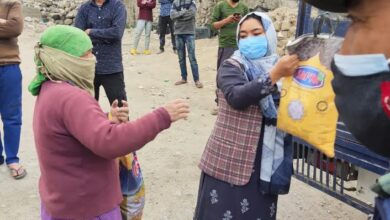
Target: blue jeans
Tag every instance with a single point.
(183, 40)
(10, 111)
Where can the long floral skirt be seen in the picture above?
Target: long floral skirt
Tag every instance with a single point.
(219, 200)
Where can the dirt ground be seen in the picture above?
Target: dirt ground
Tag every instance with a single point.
(169, 163)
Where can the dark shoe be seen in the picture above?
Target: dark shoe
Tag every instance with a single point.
(1, 160)
(180, 82)
(174, 51)
(160, 52)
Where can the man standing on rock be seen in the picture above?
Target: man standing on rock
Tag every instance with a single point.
(104, 21)
(11, 26)
(183, 13)
(165, 20)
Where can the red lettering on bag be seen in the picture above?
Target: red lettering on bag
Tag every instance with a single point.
(385, 97)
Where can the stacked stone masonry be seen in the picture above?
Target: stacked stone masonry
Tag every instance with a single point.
(282, 12)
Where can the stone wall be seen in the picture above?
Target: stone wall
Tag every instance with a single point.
(282, 12)
(55, 11)
(64, 11)
(285, 22)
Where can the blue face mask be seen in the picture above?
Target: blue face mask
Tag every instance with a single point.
(253, 47)
(361, 65)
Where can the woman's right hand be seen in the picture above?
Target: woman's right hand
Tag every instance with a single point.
(286, 66)
(177, 109)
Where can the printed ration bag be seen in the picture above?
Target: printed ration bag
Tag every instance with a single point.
(132, 186)
(307, 109)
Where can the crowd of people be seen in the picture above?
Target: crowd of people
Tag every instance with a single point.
(78, 146)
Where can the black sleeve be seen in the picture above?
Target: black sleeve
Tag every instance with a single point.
(238, 91)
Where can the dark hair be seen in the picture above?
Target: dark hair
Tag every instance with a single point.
(353, 3)
(253, 16)
(249, 17)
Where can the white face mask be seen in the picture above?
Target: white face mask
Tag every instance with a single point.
(361, 65)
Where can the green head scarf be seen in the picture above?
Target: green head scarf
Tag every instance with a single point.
(57, 57)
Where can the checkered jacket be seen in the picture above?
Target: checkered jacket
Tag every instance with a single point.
(231, 149)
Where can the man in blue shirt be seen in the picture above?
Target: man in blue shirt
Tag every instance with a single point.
(165, 20)
(104, 21)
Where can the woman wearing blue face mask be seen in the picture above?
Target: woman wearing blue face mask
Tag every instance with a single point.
(231, 184)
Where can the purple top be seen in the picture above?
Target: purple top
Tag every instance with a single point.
(114, 214)
(77, 147)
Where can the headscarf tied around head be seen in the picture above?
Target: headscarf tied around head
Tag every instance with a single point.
(58, 58)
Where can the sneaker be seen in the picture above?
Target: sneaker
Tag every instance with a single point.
(133, 52)
(198, 84)
(180, 82)
(160, 52)
(147, 52)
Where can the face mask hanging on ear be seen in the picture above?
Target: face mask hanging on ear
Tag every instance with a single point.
(361, 65)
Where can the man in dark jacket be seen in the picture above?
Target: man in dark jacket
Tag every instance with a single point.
(104, 21)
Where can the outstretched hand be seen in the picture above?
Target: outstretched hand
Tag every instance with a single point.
(177, 109)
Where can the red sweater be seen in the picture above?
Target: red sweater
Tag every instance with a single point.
(77, 147)
(145, 10)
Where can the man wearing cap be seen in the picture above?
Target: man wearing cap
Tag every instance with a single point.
(362, 80)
